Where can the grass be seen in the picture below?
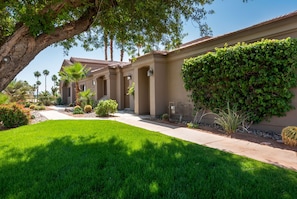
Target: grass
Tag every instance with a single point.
(107, 159)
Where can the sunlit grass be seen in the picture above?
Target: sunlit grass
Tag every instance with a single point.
(107, 159)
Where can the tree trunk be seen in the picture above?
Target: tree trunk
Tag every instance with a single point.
(105, 46)
(111, 47)
(122, 54)
(18, 51)
(77, 94)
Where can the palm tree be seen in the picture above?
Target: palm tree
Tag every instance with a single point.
(37, 75)
(74, 73)
(38, 83)
(54, 88)
(45, 73)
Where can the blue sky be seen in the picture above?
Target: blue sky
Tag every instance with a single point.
(229, 16)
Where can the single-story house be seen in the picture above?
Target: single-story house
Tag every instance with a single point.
(157, 75)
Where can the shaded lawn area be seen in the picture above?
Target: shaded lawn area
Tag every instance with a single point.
(107, 159)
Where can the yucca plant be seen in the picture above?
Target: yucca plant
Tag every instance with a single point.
(230, 119)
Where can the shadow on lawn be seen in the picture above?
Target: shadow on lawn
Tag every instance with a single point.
(78, 168)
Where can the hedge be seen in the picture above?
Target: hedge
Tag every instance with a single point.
(256, 78)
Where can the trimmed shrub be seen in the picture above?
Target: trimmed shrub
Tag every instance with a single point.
(14, 115)
(77, 110)
(106, 107)
(88, 109)
(32, 106)
(256, 78)
(289, 135)
(165, 117)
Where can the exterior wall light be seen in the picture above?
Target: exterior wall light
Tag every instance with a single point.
(150, 72)
(6, 59)
(129, 77)
(94, 82)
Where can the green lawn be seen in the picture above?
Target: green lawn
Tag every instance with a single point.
(107, 159)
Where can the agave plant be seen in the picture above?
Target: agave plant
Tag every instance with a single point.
(230, 120)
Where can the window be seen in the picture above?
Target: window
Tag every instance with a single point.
(82, 87)
(69, 92)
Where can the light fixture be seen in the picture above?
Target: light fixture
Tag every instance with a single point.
(94, 82)
(6, 59)
(129, 77)
(150, 72)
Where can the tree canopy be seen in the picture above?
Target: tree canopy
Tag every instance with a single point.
(29, 26)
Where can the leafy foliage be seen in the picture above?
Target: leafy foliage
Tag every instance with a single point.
(106, 107)
(256, 78)
(14, 115)
(289, 135)
(18, 90)
(74, 73)
(4, 99)
(46, 98)
(86, 97)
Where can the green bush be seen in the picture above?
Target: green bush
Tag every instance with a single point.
(4, 99)
(165, 117)
(45, 98)
(14, 115)
(88, 108)
(77, 110)
(256, 78)
(106, 107)
(289, 135)
(39, 108)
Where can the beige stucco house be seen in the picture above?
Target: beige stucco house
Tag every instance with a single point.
(158, 83)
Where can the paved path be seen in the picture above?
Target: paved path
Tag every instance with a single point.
(279, 157)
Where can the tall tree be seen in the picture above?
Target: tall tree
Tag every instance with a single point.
(45, 73)
(28, 27)
(74, 73)
(54, 87)
(37, 74)
(38, 83)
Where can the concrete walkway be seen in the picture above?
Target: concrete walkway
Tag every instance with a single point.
(276, 156)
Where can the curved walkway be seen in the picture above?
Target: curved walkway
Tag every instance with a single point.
(278, 157)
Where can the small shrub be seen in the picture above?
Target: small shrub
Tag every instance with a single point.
(88, 109)
(39, 108)
(106, 107)
(32, 107)
(4, 99)
(192, 125)
(59, 101)
(27, 104)
(14, 115)
(165, 117)
(230, 120)
(77, 110)
(289, 135)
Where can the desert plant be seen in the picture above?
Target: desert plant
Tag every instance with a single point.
(39, 107)
(230, 119)
(77, 110)
(106, 107)
(32, 106)
(45, 98)
(192, 125)
(289, 135)
(86, 98)
(88, 109)
(14, 115)
(165, 117)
